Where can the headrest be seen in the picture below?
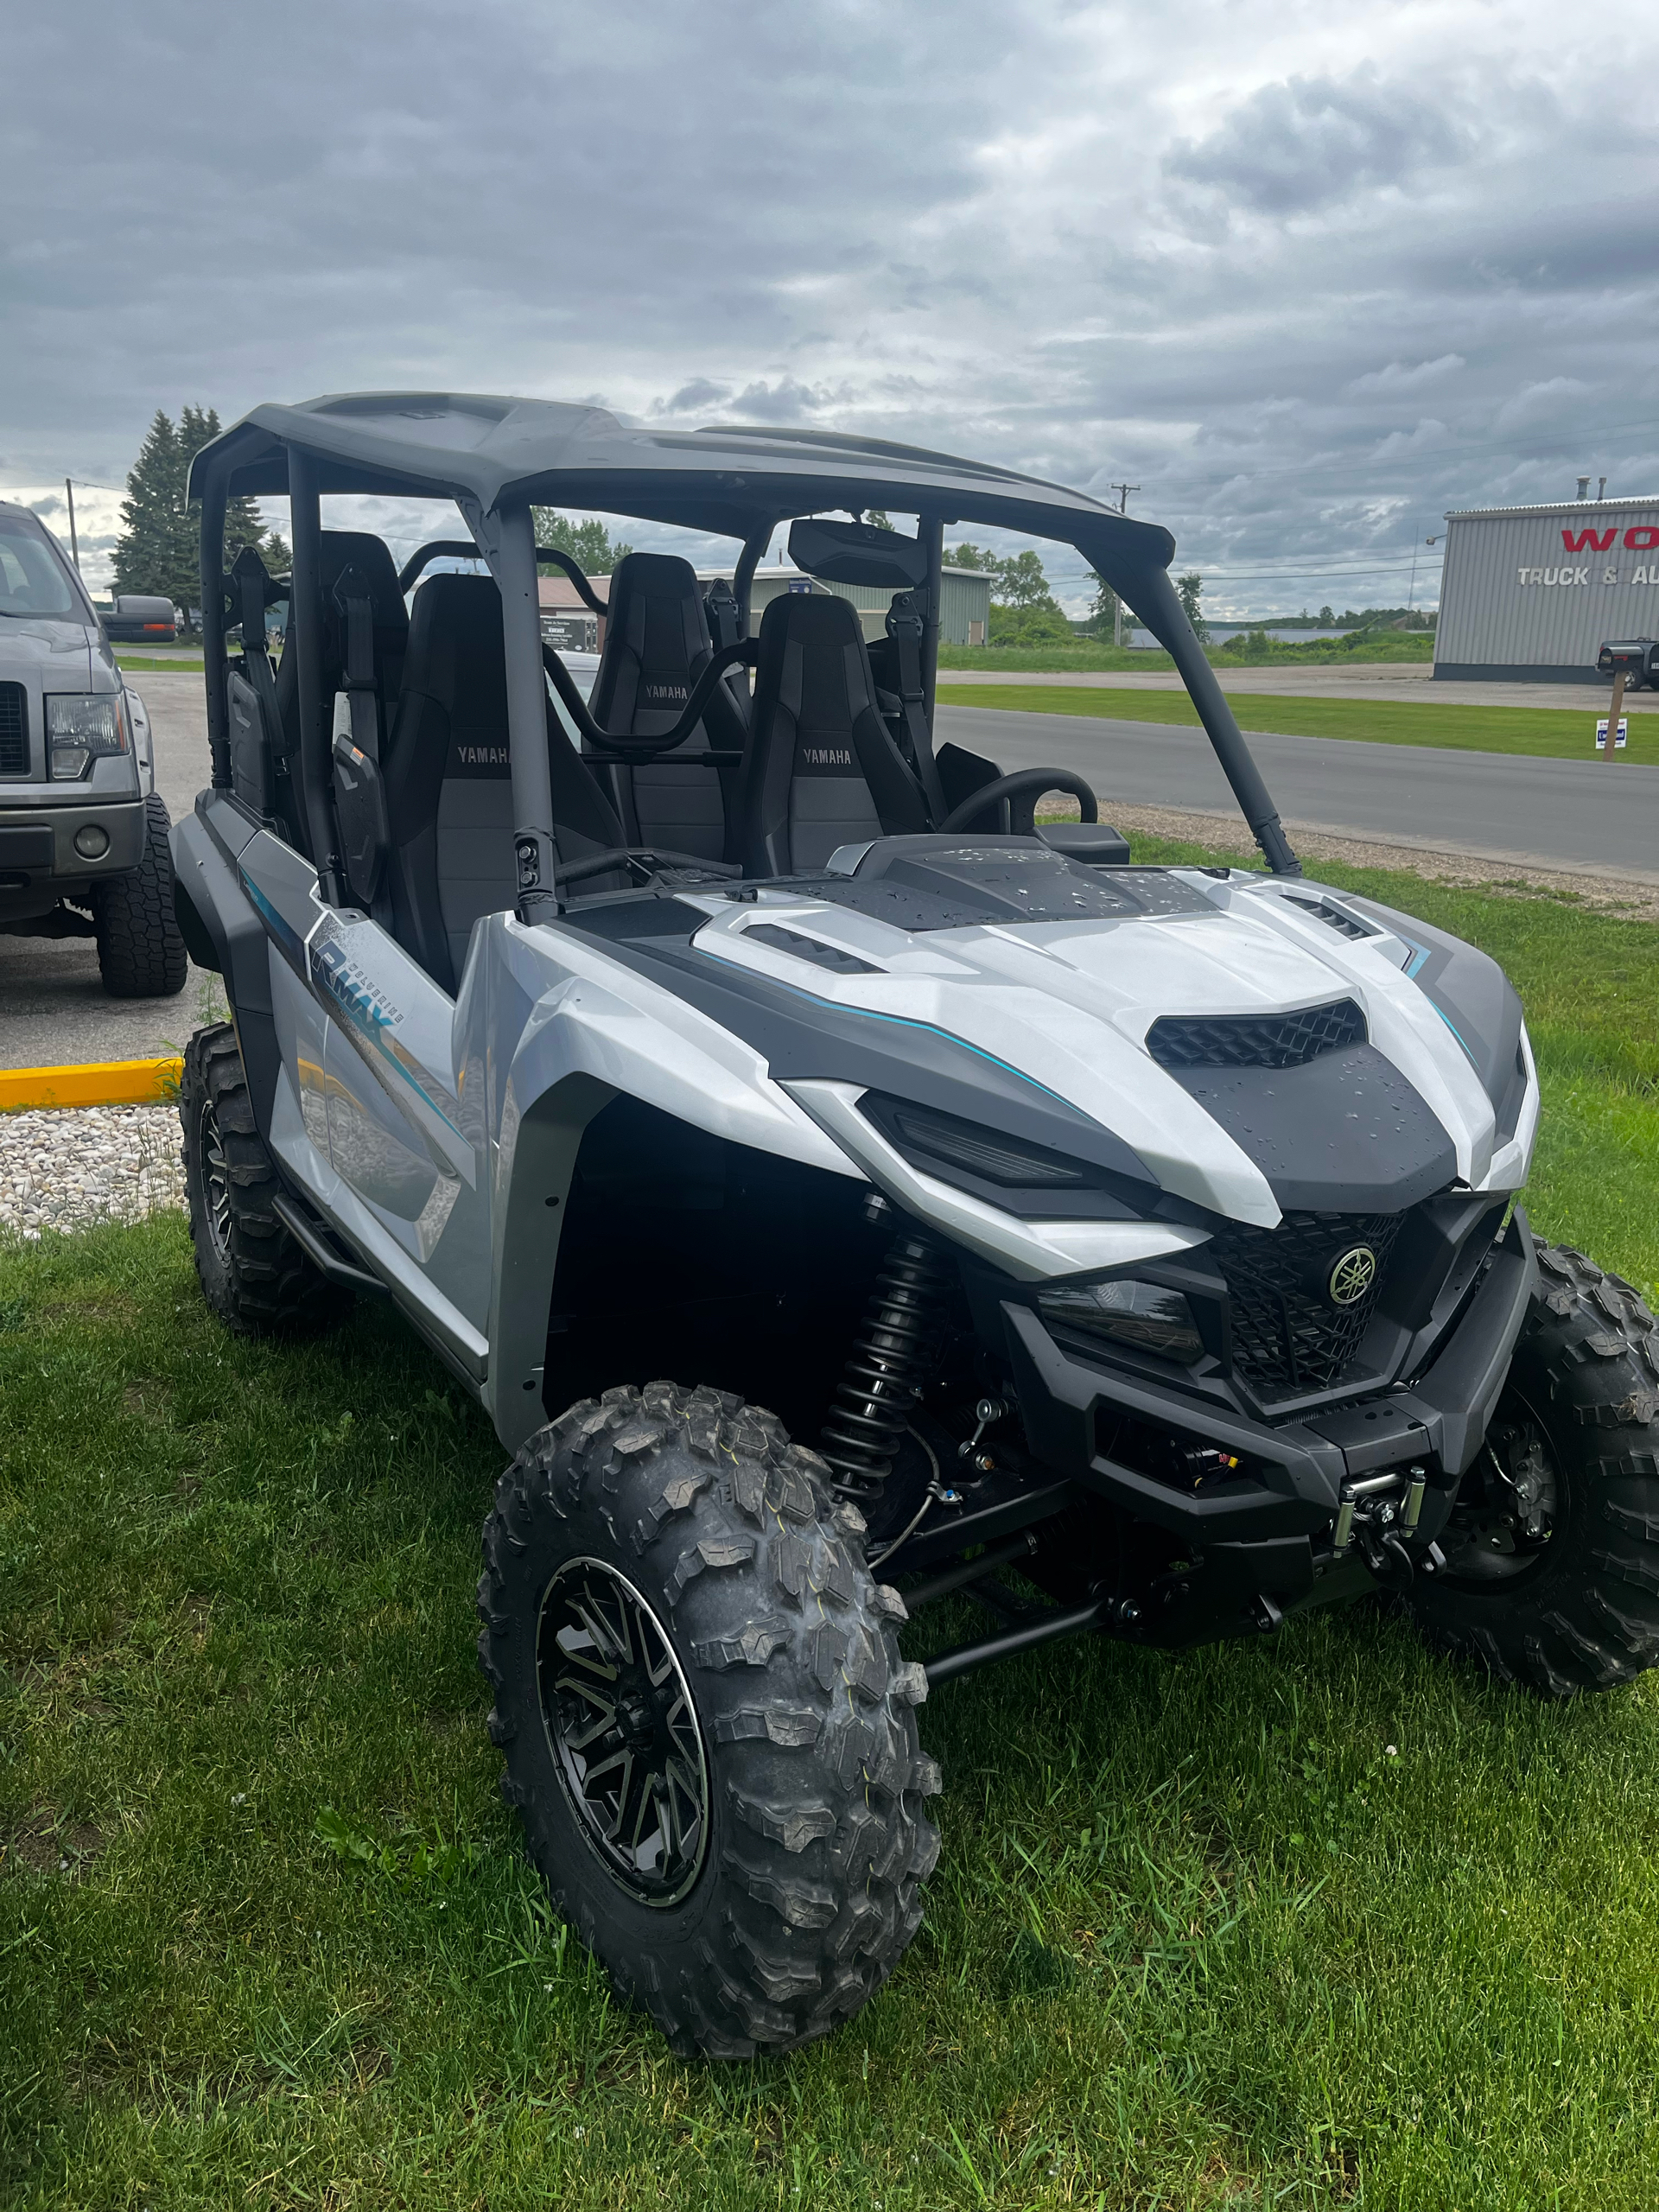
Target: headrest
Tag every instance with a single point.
(858, 553)
(651, 575)
(455, 645)
(341, 549)
(817, 618)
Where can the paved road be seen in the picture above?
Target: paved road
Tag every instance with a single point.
(1565, 814)
(53, 1010)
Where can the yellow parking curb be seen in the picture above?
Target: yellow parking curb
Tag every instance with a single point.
(99, 1082)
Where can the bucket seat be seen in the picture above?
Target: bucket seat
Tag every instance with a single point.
(822, 770)
(449, 784)
(657, 645)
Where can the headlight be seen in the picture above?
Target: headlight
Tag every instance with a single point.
(82, 726)
(1138, 1313)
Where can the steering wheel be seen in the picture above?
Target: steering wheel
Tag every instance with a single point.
(1026, 785)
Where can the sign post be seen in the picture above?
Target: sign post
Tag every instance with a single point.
(1612, 714)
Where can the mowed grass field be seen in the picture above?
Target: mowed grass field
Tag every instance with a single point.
(1548, 733)
(1317, 1921)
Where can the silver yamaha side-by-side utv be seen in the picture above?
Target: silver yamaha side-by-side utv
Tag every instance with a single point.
(840, 1190)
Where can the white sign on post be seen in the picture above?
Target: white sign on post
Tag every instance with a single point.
(1618, 741)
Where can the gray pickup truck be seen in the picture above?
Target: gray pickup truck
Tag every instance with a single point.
(83, 833)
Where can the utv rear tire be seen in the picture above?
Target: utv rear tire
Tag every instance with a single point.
(1574, 1606)
(761, 1697)
(141, 954)
(253, 1274)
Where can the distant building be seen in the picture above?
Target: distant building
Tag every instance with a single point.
(1529, 593)
(569, 624)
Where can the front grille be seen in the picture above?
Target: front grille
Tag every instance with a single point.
(1289, 1336)
(1272, 1041)
(14, 732)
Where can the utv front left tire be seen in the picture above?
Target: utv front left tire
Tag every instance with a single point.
(1552, 1550)
(253, 1273)
(709, 1731)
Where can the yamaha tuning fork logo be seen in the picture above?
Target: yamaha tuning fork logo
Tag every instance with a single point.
(1351, 1276)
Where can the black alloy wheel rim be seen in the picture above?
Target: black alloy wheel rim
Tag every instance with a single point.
(216, 1183)
(623, 1727)
(1510, 1506)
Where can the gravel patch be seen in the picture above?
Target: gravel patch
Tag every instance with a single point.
(67, 1168)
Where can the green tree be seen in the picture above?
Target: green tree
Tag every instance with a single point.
(1101, 619)
(969, 556)
(1190, 588)
(588, 544)
(1327, 619)
(1021, 582)
(876, 519)
(148, 553)
(159, 549)
(1030, 625)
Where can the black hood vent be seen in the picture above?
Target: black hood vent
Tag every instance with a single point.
(1272, 1041)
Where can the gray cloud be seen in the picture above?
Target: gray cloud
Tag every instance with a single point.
(1292, 147)
(1307, 278)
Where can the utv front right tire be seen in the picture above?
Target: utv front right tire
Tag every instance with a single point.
(709, 1731)
(253, 1273)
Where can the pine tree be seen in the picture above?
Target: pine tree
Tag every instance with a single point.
(146, 551)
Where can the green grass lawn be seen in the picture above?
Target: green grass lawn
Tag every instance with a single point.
(171, 664)
(1089, 653)
(1549, 733)
(1199, 1936)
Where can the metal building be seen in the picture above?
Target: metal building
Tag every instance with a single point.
(1530, 593)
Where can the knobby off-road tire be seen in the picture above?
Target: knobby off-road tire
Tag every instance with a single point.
(776, 1665)
(141, 954)
(253, 1274)
(1570, 1603)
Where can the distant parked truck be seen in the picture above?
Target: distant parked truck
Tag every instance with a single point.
(135, 619)
(1636, 660)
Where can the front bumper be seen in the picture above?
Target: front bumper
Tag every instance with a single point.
(38, 861)
(1292, 1474)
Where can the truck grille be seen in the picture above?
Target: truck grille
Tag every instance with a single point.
(1290, 1337)
(14, 732)
(1273, 1040)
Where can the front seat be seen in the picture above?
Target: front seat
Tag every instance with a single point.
(449, 784)
(338, 550)
(656, 646)
(822, 770)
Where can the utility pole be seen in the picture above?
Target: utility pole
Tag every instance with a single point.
(1122, 492)
(1411, 595)
(75, 546)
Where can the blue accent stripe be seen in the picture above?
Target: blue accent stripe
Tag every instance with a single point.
(1456, 1032)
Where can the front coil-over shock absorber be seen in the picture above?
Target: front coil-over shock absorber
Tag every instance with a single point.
(887, 1368)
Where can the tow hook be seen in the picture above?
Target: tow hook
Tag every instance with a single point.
(1379, 1514)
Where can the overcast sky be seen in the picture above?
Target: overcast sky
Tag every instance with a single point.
(1305, 275)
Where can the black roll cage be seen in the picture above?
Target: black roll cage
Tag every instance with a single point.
(497, 458)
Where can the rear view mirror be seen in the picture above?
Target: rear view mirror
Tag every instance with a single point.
(858, 553)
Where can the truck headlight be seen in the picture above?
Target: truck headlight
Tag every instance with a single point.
(1138, 1313)
(82, 726)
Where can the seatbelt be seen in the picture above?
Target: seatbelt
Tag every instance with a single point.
(720, 605)
(356, 603)
(904, 628)
(249, 584)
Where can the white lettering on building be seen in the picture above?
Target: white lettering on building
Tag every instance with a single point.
(1574, 577)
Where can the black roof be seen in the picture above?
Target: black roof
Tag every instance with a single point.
(730, 479)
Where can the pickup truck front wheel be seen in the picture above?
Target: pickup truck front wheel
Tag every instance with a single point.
(141, 954)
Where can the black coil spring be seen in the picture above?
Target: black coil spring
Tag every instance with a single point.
(886, 1370)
